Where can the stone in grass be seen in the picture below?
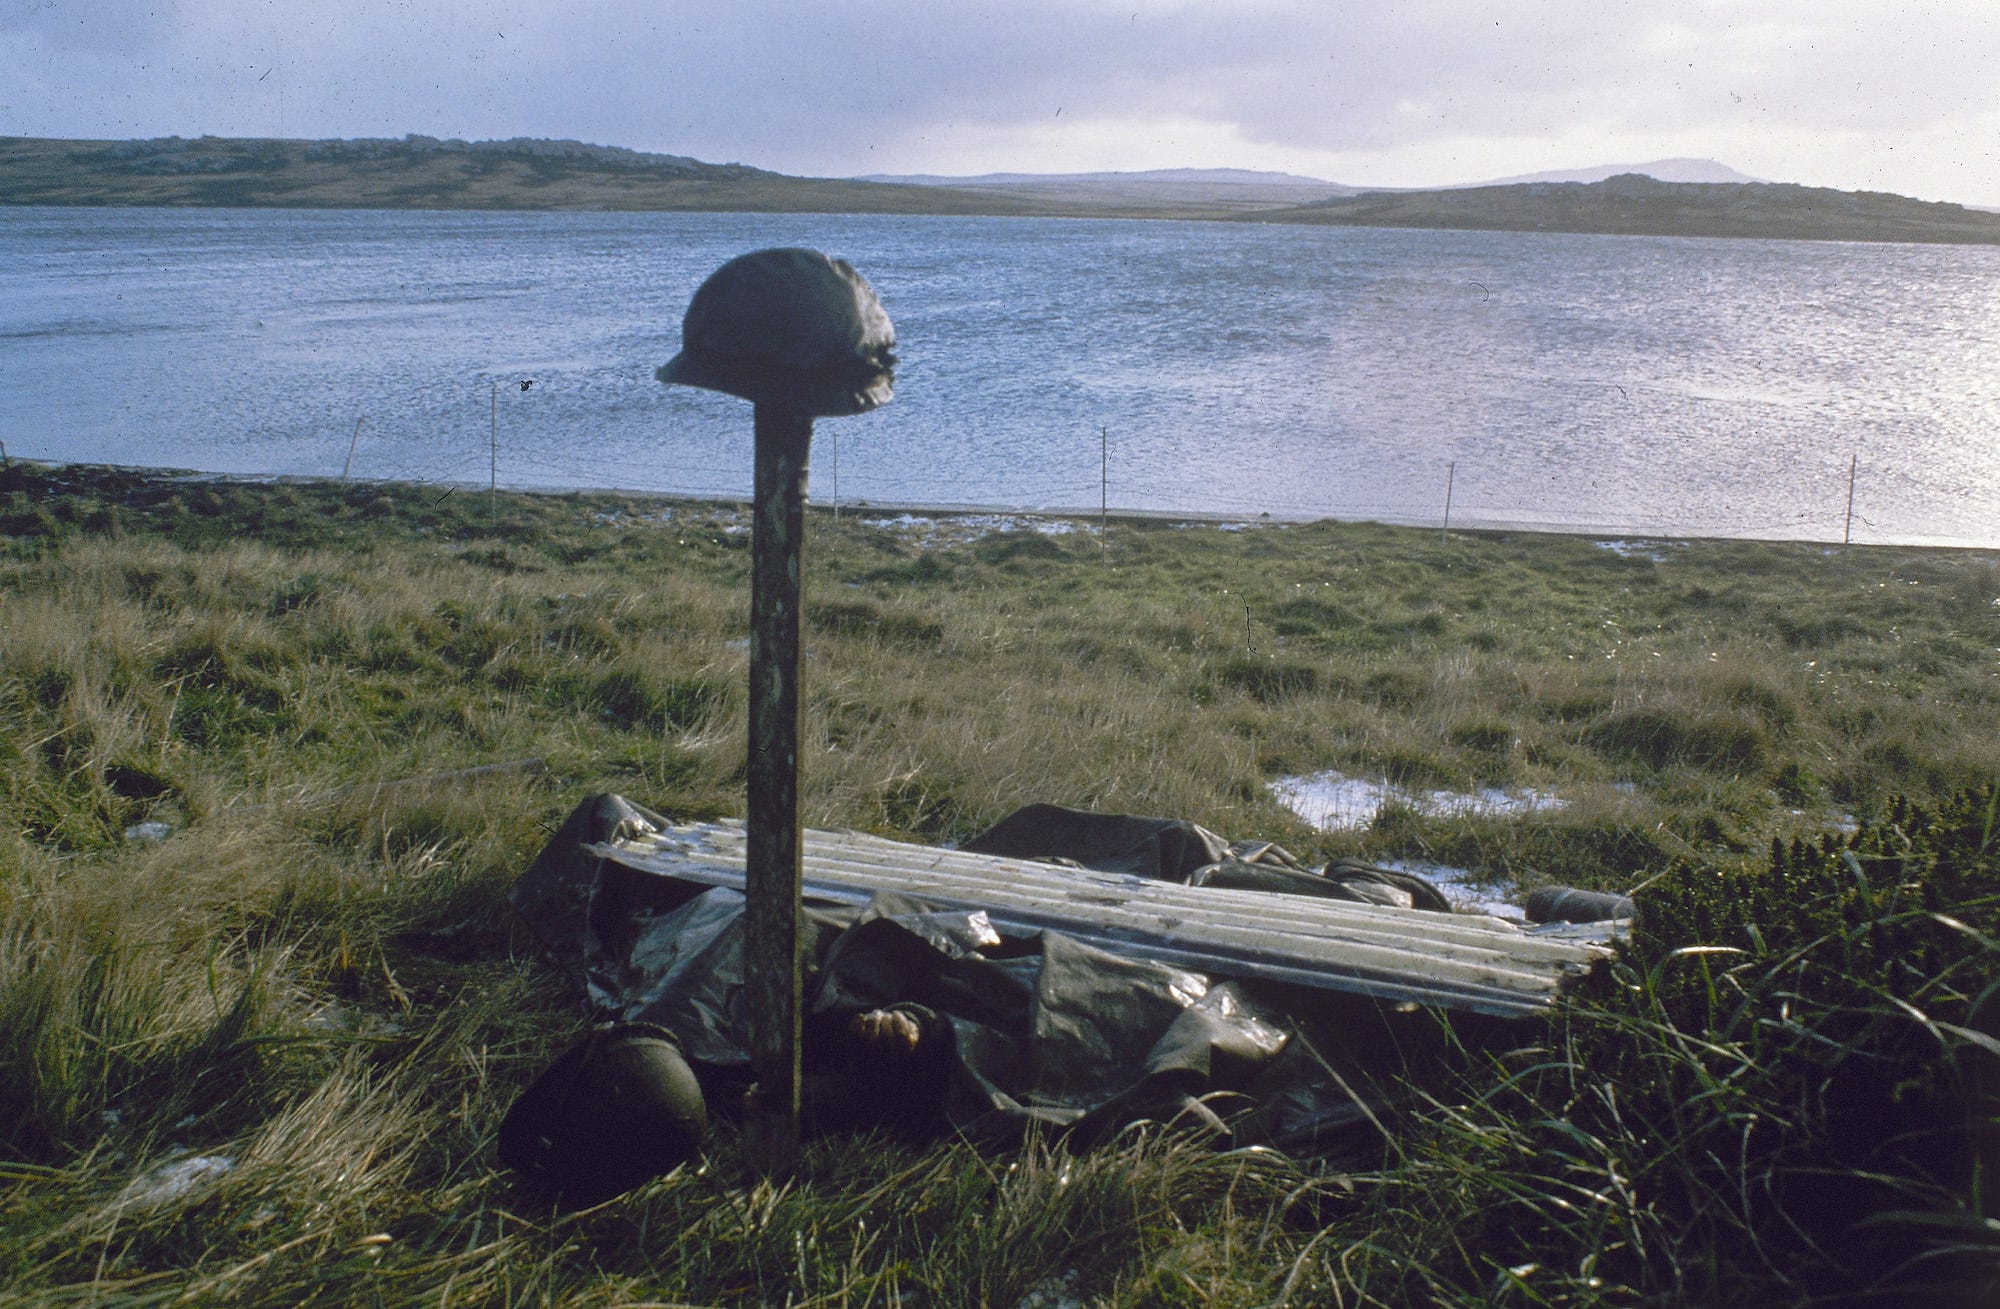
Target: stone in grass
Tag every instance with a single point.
(174, 1179)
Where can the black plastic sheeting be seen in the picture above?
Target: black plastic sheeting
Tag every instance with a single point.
(1174, 850)
(997, 1034)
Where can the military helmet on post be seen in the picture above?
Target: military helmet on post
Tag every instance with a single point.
(788, 327)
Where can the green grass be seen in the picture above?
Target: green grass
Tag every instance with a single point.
(316, 978)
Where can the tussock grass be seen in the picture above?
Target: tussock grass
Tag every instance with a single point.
(1779, 1095)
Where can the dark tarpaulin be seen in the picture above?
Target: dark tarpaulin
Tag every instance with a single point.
(996, 1033)
(1174, 850)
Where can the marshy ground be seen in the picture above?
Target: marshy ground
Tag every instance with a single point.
(221, 940)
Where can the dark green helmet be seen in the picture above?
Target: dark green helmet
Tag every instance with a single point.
(616, 1109)
(788, 327)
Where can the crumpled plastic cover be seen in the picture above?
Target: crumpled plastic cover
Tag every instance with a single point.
(1015, 1031)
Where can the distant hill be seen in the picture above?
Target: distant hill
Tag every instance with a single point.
(421, 172)
(1248, 177)
(1660, 170)
(1180, 192)
(1227, 192)
(1633, 205)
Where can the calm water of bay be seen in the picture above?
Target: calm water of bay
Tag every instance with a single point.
(1627, 384)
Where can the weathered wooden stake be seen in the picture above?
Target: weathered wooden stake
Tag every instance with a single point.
(1847, 533)
(348, 467)
(1450, 472)
(493, 487)
(1103, 480)
(771, 912)
(800, 336)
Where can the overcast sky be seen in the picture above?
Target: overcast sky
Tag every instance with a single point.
(1897, 96)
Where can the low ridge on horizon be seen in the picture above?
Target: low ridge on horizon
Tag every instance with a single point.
(422, 172)
(1243, 176)
(1683, 169)
(1680, 169)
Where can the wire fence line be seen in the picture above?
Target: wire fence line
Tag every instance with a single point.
(507, 445)
(1464, 496)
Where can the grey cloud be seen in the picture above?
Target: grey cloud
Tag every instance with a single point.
(95, 26)
(810, 87)
(1320, 76)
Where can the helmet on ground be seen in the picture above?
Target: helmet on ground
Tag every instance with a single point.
(616, 1109)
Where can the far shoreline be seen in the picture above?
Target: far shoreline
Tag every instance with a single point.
(1609, 535)
(417, 174)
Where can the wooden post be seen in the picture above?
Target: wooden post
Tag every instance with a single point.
(1103, 480)
(1450, 471)
(348, 467)
(771, 946)
(1847, 532)
(493, 487)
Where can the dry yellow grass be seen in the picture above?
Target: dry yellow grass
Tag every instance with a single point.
(314, 977)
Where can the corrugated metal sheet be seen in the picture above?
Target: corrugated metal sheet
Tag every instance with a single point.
(1453, 960)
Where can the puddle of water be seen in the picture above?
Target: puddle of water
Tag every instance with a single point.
(1053, 1292)
(1837, 820)
(1468, 892)
(1335, 803)
(959, 528)
(1653, 550)
(620, 517)
(970, 527)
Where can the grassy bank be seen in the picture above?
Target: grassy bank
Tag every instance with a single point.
(313, 976)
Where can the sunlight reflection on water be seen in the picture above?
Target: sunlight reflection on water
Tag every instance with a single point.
(1625, 384)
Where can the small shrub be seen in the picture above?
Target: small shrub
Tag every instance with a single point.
(1815, 631)
(1266, 680)
(302, 592)
(1795, 784)
(1772, 705)
(1395, 688)
(865, 620)
(1659, 739)
(636, 697)
(1017, 550)
(1482, 737)
(1856, 981)
(1310, 616)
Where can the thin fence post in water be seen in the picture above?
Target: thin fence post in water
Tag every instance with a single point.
(1847, 532)
(348, 467)
(1103, 480)
(493, 486)
(1450, 471)
(836, 477)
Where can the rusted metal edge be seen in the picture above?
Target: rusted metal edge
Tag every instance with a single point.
(1449, 960)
